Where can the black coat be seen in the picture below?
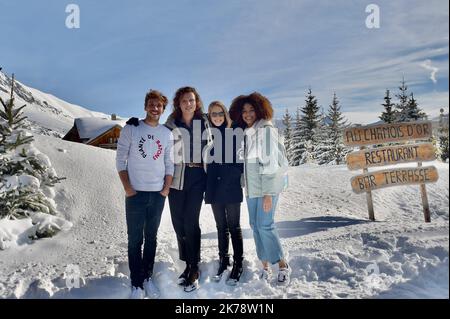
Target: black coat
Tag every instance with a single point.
(223, 180)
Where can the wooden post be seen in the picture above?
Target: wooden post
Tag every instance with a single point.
(369, 196)
(426, 207)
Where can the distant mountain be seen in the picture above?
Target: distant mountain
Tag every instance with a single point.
(46, 113)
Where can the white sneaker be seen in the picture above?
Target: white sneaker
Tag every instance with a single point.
(151, 290)
(265, 274)
(137, 293)
(284, 274)
(192, 282)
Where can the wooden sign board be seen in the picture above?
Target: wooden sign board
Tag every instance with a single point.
(384, 133)
(394, 177)
(406, 153)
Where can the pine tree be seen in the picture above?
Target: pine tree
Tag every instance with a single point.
(443, 137)
(402, 105)
(322, 144)
(298, 143)
(310, 118)
(287, 121)
(388, 115)
(24, 171)
(338, 124)
(414, 113)
(332, 148)
(304, 134)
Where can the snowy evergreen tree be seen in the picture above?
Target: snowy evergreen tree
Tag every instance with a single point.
(322, 151)
(304, 134)
(311, 116)
(403, 101)
(26, 173)
(388, 115)
(298, 143)
(414, 113)
(443, 137)
(331, 148)
(287, 121)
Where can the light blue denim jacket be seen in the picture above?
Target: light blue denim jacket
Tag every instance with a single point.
(265, 162)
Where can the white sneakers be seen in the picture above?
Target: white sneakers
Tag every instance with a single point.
(265, 274)
(137, 293)
(283, 277)
(151, 290)
(284, 274)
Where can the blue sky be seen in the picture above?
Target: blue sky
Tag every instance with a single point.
(228, 48)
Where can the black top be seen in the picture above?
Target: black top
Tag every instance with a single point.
(196, 143)
(223, 185)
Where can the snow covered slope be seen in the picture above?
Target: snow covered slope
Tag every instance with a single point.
(334, 251)
(48, 113)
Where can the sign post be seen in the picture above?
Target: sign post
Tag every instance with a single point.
(391, 155)
(369, 195)
(426, 207)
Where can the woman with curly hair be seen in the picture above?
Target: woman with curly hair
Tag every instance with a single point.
(264, 163)
(192, 142)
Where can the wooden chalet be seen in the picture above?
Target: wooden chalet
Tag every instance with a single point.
(95, 131)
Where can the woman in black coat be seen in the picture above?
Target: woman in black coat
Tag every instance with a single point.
(224, 192)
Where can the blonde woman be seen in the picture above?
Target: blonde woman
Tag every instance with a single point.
(224, 192)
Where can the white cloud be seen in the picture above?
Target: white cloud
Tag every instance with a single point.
(427, 66)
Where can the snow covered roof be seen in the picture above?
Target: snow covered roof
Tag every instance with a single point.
(92, 127)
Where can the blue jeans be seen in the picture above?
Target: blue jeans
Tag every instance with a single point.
(143, 214)
(268, 247)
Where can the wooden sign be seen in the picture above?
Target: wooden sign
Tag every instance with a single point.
(390, 155)
(384, 133)
(394, 177)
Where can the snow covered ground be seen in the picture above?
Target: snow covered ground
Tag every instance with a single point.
(334, 251)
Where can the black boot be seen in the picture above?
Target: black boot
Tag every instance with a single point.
(192, 279)
(236, 273)
(224, 262)
(183, 277)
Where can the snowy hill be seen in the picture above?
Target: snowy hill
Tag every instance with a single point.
(47, 113)
(334, 251)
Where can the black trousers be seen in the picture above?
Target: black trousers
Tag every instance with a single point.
(227, 218)
(185, 208)
(143, 215)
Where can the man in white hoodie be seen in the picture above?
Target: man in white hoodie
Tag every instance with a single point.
(144, 161)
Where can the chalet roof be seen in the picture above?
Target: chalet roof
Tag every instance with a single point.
(92, 127)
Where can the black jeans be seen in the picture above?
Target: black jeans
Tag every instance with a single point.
(227, 218)
(185, 208)
(143, 214)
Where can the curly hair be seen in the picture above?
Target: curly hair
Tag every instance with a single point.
(263, 107)
(154, 94)
(177, 113)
